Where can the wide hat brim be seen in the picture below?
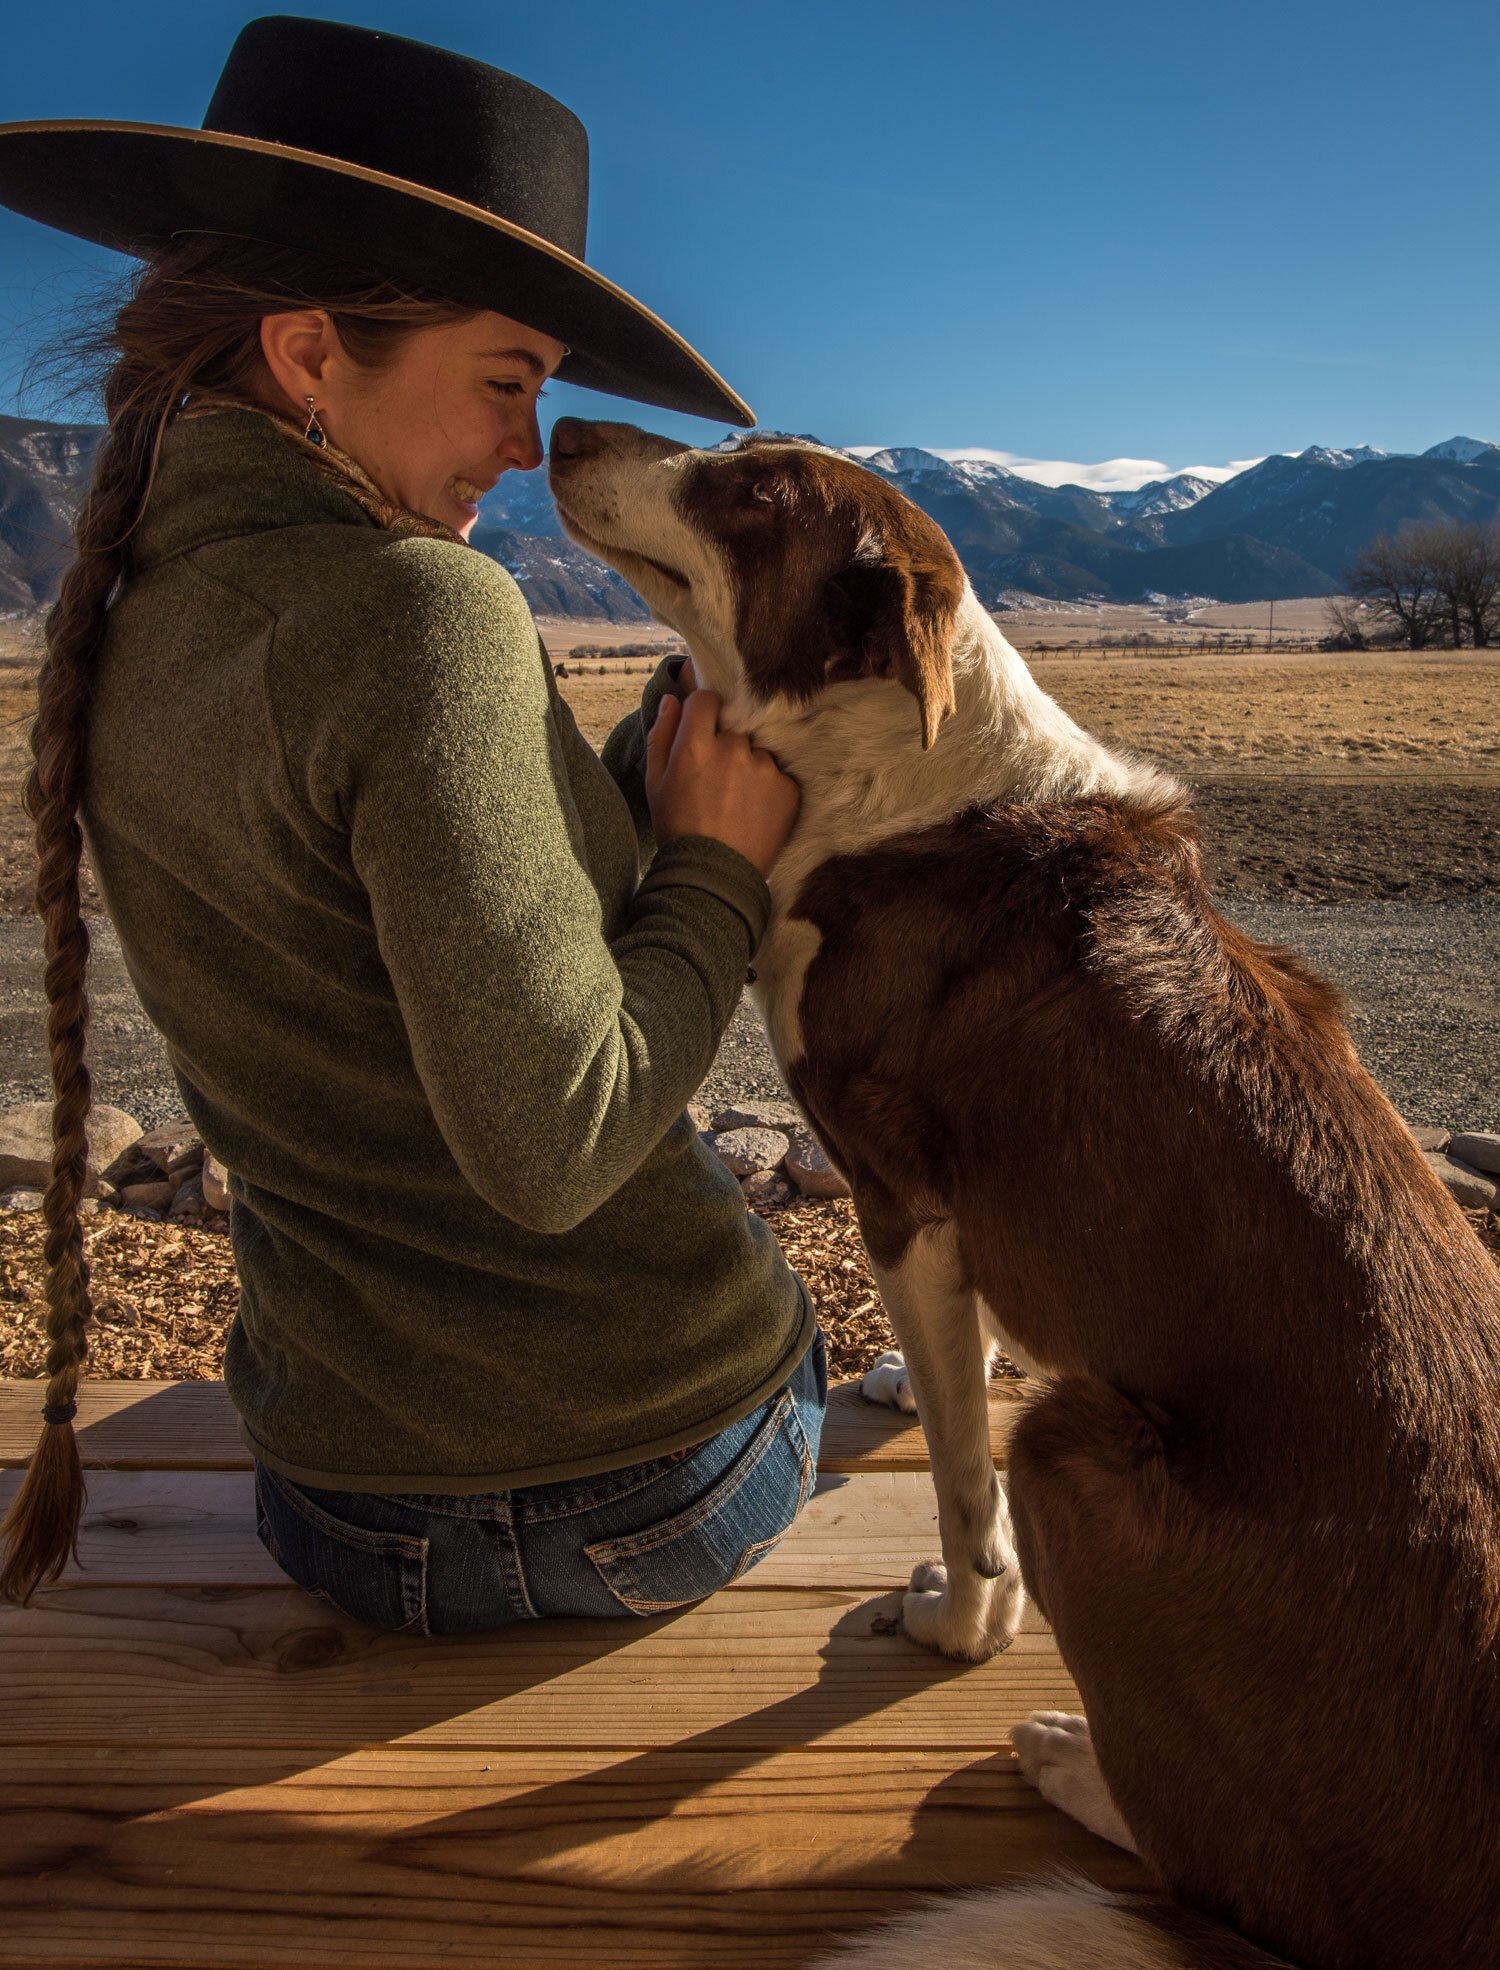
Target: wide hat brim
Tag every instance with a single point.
(133, 186)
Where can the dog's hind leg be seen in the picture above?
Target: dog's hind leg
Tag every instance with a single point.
(1056, 1755)
(971, 1605)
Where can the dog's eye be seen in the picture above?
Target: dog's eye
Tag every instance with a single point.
(765, 490)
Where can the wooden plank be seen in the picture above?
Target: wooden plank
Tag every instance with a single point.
(401, 1859)
(197, 1528)
(132, 1425)
(865, 1436)
(169, 1426)
(753, 1669)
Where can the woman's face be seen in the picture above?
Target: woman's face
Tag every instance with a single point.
(437, 425)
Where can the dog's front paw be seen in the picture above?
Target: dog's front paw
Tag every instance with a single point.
(971, 1619)
(887, 1382)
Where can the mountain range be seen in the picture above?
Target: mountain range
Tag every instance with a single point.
(1287, 526)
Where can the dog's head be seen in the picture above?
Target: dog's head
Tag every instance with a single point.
(788, 569)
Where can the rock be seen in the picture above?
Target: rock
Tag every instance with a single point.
(132, 1165)
(26, 1142)
(766, 1188)
(758, 1115)
(1472, 1188)
(215, 1181)
(745, 1152)
(811, 1170)
(698, 1117)
(1431, 1138)
(188, 1202)
(1480, 1152)
(169, 1139)
(150, 1156)
(187, 1161)
(21, 1200)
(146, 1196)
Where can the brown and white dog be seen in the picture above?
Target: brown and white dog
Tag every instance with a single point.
(1258, 1494)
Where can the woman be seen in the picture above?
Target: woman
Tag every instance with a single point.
(434, 981)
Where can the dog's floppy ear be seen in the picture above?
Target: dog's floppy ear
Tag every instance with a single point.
(892, 613)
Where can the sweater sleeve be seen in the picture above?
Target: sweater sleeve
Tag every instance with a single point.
(554, 1056)
(624, 751)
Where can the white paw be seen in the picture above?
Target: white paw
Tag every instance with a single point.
(1056, 1754)
(887, 1382)
(970, 1621)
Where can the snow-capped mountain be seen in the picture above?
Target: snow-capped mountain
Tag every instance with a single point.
(1172, 495)
(1286, 525)
(1461, 451)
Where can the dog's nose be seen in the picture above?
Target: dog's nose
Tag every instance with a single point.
(575, 437)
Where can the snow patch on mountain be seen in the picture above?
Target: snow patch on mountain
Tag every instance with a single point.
(1342, 460)
(1110, 475)
(1162, 495)
(1462, 451)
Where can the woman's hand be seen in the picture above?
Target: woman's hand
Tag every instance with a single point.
(701, 781)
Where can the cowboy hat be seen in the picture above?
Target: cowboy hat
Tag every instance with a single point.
(422, 165)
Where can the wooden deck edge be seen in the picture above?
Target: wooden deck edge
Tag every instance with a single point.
(191, 1426)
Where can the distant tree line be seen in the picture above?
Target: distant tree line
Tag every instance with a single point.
(1432, 584)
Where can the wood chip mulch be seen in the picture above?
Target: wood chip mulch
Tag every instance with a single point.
(164, 1294)
(822, 1244)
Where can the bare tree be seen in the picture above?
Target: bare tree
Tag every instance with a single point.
(1349, 624)
(1438, 547)
(1476, 582)
(1434, 577)
(1398, 580)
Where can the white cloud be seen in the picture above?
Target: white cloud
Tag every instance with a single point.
(1109, 475)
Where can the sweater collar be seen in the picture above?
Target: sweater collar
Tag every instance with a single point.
(230, 474)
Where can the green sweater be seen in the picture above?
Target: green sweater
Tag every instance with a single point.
(386, 907)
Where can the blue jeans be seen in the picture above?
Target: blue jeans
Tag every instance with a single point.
(633, 1541)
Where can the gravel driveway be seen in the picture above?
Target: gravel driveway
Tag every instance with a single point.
(1423, 980)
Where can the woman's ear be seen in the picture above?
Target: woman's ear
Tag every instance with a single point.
(298, 347)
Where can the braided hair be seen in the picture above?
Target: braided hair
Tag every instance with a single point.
(191, 322)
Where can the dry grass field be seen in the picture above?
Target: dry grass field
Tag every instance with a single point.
(1336, 716)
(1319, 777)
(1388, 761)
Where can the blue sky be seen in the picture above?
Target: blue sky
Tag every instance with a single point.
(1185, 233)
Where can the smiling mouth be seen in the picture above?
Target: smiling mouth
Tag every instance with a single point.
(465, 491)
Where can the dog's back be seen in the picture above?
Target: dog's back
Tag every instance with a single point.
(1261, 1502)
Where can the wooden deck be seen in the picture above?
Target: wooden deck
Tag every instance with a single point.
(203, 1766)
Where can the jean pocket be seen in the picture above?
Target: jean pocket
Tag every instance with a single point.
(720, 1535)
(379, 1578)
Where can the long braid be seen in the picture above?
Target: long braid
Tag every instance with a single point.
(41, 1528)
(192, 323)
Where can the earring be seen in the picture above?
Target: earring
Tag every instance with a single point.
(313, 432)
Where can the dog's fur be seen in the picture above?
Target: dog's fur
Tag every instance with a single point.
(1258, 1494)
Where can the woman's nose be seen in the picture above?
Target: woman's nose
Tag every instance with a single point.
(526, 447)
